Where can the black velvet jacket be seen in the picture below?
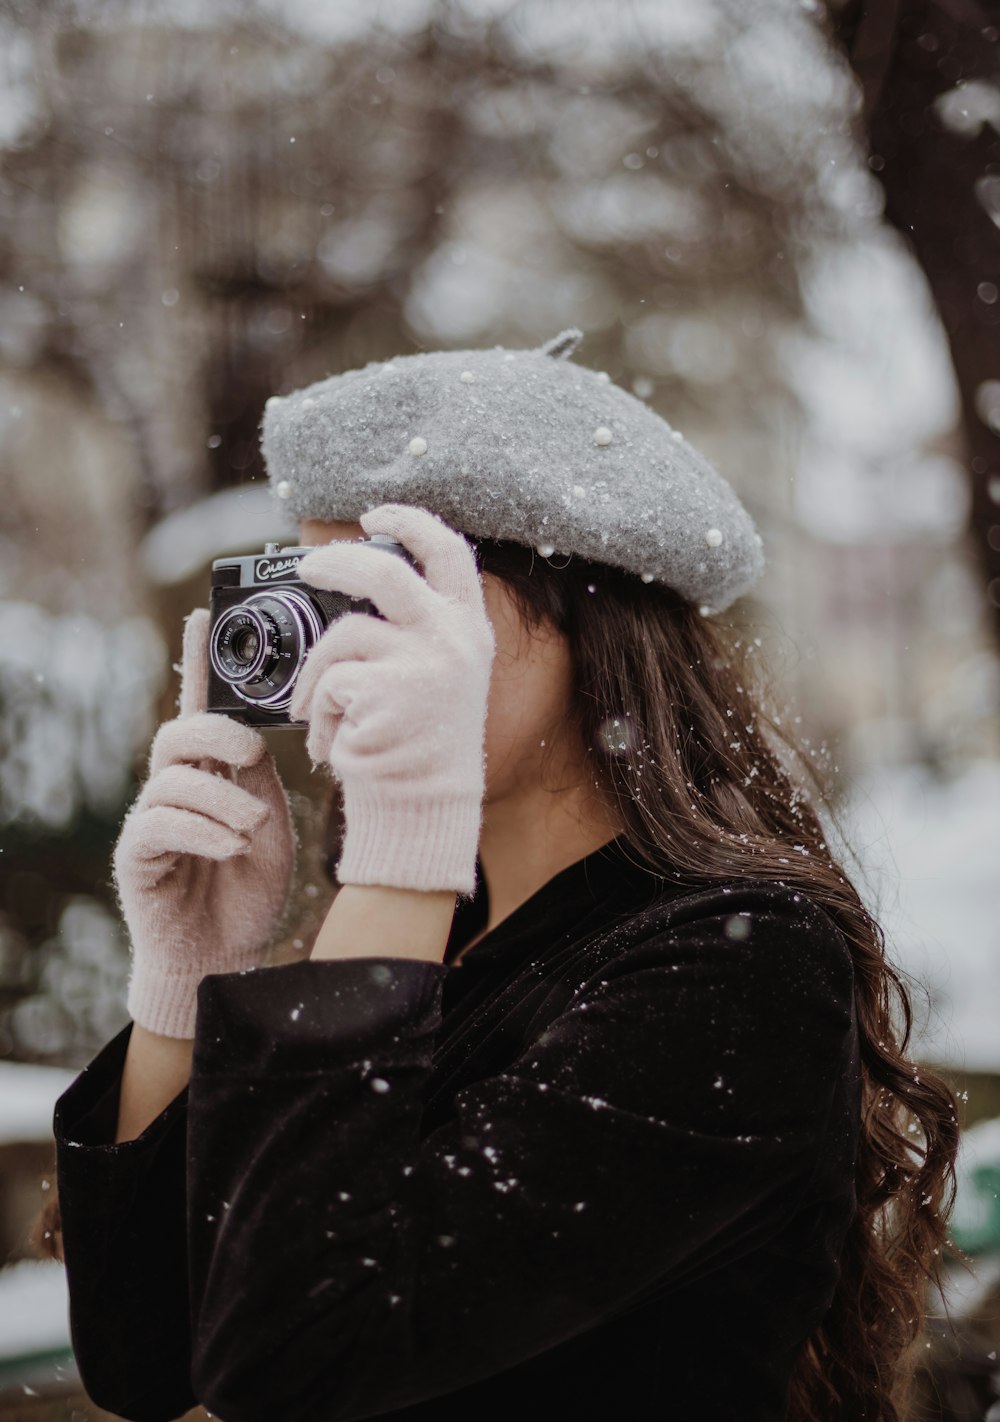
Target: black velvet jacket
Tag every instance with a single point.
(603, 1167)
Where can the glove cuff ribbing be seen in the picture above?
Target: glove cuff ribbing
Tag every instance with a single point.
(410, 843)
(167, 1003)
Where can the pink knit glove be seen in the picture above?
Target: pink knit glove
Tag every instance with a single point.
(204, 859)
(397, 708)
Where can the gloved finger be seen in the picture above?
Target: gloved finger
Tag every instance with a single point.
(263, 782)
(447, 558)
(206, 736)
(323, 728)
(356, 636)
(363, 696)
(334, 692)
(194, 663)
(187, 788)
(165, 830)
(360, 570)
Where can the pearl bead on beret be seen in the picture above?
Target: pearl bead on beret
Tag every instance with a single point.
(522, 445)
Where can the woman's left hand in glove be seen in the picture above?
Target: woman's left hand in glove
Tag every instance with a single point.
(397, 708)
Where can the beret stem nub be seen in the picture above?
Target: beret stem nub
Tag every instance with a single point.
(563, 345)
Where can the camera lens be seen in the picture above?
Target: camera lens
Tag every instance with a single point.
(245, 645)
(242, 644)
(258, 646)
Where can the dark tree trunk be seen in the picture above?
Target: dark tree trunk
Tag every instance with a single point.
(942, 192)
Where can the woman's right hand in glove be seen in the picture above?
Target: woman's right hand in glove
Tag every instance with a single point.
(204, 860)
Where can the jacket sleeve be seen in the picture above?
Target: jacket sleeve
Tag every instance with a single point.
(123, 1213)
(343, 1263)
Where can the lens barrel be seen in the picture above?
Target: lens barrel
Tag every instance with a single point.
(258, 646)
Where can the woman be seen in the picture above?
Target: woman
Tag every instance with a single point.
(589, 1095)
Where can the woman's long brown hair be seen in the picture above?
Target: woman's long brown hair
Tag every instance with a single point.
(672, 709)
(707, 783)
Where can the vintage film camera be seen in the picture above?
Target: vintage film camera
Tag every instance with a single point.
(264, 620)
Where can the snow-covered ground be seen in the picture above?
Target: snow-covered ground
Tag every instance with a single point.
(33, 1308)
(27, 1098)
(33, 1296)
(930, 852)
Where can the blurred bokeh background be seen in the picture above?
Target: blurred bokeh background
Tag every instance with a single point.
(775, 220)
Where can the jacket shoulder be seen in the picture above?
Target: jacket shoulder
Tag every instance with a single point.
(762, 921)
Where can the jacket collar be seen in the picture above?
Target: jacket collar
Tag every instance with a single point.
(606, 875)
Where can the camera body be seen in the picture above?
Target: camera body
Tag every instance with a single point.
(264, 620)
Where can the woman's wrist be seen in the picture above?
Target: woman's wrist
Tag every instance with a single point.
(156, 1070)
(376, 921)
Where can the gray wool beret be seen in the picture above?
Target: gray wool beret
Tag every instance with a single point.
(522, 445)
